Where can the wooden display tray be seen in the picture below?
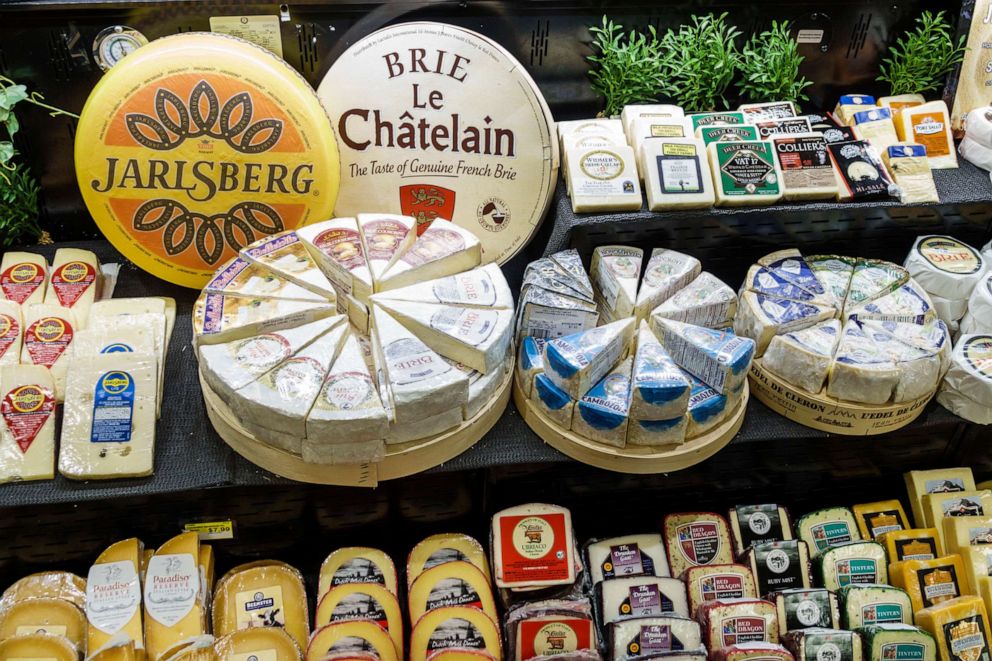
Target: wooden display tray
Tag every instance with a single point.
(401, 459)
(825, 413)
(643, 460)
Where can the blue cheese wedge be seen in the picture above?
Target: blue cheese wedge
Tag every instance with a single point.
(551, 400)
(919, 369)
(706, 301)
(676, 174)
(834, 274)
(861, 371)
(629, 555)
(576, 362)
(720, 359)
(907, 304)
(667, 273)
(865, 605)
(874, 278)
(286, 255)
(530, 363)
(654, 433)
(707, 407)
(790, 265)
(244, 278)
(659, 391)
(218, 318)
(385, 238)
(336, 246)
(483, 287)
(444, 248)
(547, 314)
(761, 317)
(615, 272)
(640, 596)
(601, 414)
(803, 357)
(852, 563)
(823, 529)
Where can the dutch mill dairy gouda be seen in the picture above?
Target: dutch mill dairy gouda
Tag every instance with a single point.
(199, 145)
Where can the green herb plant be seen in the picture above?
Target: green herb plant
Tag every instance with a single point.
(18, 187)
(629, 68)
(703, 62)
(769, 67)
(921, 59)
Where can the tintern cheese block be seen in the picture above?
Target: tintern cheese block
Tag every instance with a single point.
(454, 627)
(897, 641)
(27, 434)
(960, 627)
(336, 246)
(356, 564)
(815, 643)
(659, 391)
(483, 287)
(49, 647)
(551, 400)
(729, 622)
(780, 565)
(875, 519)
(75, 281)
(848, 104)
(910, 169)
(108, 428)
(912, 544)
(867, 604)
(262, 595)
(706, 301)
(945, 266)
(852, 563)
(718, 582)
(807, 171)
(640, 596)
(533, 545)
(353, 639)
(456, 583)
(763, 316)
(697, 538)
(285, 255)
(801, 608)
(930, 582)
(604, 179)
(364, 602)
(666, 273)
(241, 277)
(576, 362)
(113, 595)
(823, 529)
(646, 637)
(173, 595)
(615, 272)
(630, 555)
(219, 318)
(23, 277)
(929, 125)
(441, 548)
(601, 414)
(258, 641)
(44, 615)
(720, 359)
(442, 249)
(756, 524)
(677, 173)
(182, 164)
(803, 357)
(48, 335)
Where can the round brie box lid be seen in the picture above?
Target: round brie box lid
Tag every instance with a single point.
(197, 145)
(438, 122)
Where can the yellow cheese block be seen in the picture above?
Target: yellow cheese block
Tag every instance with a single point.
(940, 480)
(960, 627)
(900, 102)
(929, 124)
(58, 584)
(356, 564)
(446, 547)
(363, 601)
(146, 555)
(448, 627)
(266, 595)
(118, 649)
(75, 282)
(23, 277)
(912, 544)
(38, 647)
(960, 503)
(174, 609)
(930, 582)
(113, 595)
(984, 590)
(44, 615)
(206, 562)
(264, 643)
(961, 532)
(336, 638)
(456, 583)
(880, 517)
(977, 563)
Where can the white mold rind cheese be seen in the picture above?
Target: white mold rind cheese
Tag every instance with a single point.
(919, 370)
(706, 301)
(763, 316)
(659, 391)
(803, 358)
(861, 372)
(615, 271)
(666, 273)
(286, 255)
(385, 237)
(483, 287)
(834, 274)
(336, 246)
(945, 266)
(442, 249)
(601, 414)
(970, 373)
(241, 277)
(218, 318)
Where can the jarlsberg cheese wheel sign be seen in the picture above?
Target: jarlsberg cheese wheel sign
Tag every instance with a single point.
(197, 145)
(434, 121)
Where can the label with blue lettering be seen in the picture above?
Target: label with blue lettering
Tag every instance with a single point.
(113, 407)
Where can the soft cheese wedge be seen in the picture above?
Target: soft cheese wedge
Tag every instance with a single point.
(421, 383)
(575, 362)
(659, 391)
(443, 249)
(720, 359)
(48, 334)
(548, 274)
(601, 414)
(75, 281)
(11, 332)
(551, 400)
(861, 372)
(23, 277)
(919, 370)
(245, 278)
(834, 273)
(706, 301)
(873, 278)
(762, 316)
(113, 595)
(285, 255)
(108, 428)
(482, 387)
(571, 262)
(932, 336)
(615, 272)
(803, 357)
(483, 287)
(336, 246)
(27, 434)
(547, 314)
(707, 407)
(766, 281)
(219, 318)
(175, 610)
(907, 304)
(385, 238)
(667, 272)
(790, 265)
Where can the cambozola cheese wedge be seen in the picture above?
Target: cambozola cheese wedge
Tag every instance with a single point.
(108, 428)
(666, 273)
(615, 272)
(75, 281)
(244, 278)
(547, 314)
(49, 647)
(530, 363)
(23, 277)
(443, 249)
(575, 362)
(601, 414)
(873, 278)
(861, 371)
(630, 555)
(604, 179)
(720, 359)
(483, 287)
(516, 529)
(48, 334)
(761, 317)
(640, 596)
(551, 400)
(834, 274)
(659, 391)
(287, 256)
(218, 318)
(27, 434)
(803, 357)
(385, 237)
(919, 370)
(455, 627)
(870, 604)
(677, 173)
(707, 407)
(336, 246)
(11, 332)
(636, 638)
(706, 301)
(910, 170)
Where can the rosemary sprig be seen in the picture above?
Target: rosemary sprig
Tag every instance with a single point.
(629, 68)
(704, 59)
(19, 196)
(769, 67)
(921, 59)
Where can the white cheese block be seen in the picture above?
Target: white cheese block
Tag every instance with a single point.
(707, 407)
(635, 639)
(530, 363)
(551, 400)
(629, 555)
(108, 428)
(803, 357)
(75, 282)
(907, 304)
(951, 311)
(385, 237)
(48, 334)
(615, 271)
(807, 170)
(604, 179)
(570, 261)
(980, 303)
(654, 111)
(575, 142)
(219, 318)
(667, 273)
(899, 102)
(659, 391)
(875, 125)
(745, 173)
(910, 169)
(547, 273)
(834, 274)
(96, 340)
(547, 314)
(769, 110)
(641, 596)
(848, 104)
(27, 423)
(602, 412)
(426, 427)
(873, 278)
(145, 316)
(280, 399)
(23, 277)
(336, 246)
(963, 406)
(861, 372)
(11, 332)
(676, 174)
(483, 287)
(421, 383)
(761, 317)
(720, 359)
(852, 563)
(825, 528)
(285, 255)
(929, 125)
(971, 368)
(591, 126)
(647, 128)
(444, 248)
(706, 301)
(575, 362)
(931, 337)
(653, 433)
(945, 266)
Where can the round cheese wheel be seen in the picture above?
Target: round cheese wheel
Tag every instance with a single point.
(456, 583)
(348, 637)
(363, 601)
(38, 646)
(459, 627)
(197, 145)
(441, 548)
(256, 639)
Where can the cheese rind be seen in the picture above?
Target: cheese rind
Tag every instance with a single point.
(866, 604)
(27, 423)
(218, 318)
(351, 640)
(601, 414)
(286, 255)
(803, 357)
(75, 282)
(23, 277)
(442, 249)
(575, 362)
(667, 272)
(38, 646)
(852, 563)
(457, 627)
(695, 539)
(762, 316)
(241, 277)
(450, 584)
(44, 615)
(861, 372)
(57, 584)
(554, 402)
(615, 271)
(272, 594)
(706, 301)
(530, 363)
(659, 391)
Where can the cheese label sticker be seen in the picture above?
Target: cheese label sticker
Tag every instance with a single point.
(921, 548)
(25, 411)
(627, 560)
(347, 391)
(383, 238)
(679, 170)
(805, 162)
(645, 601)
(977, 353)
(297, 378)
(699, 542)
(856, 571)
(113, 408)
(19, 281)
(883, 522)
(47, 339)
(966, 639)
(471, 326)
(944, 485)
(830, 533)
(262, 607)
(778, 566)
(409, 360)
(829, 646)
(722, 133)
(937, 584)
(261, 353)
(652, 639)
(455, 632)
(962, 507)
(10, 332)
(360, 605)
(785, 125)
(358, 570)
(255, 655)
(742, 629)
(443, 555)
(71, 280)
(172, 584)
(113, 595)
(435, 243)
(903, 651)
(950, 255)
(543, 638)
(534, 548)
(601, 164)
(344, 246)
(980, 536)
(51, 629)
(474, 287)
(807, 609)
(746, 168)
(711, 118)
(665, 131)
(881, 613)
(758, 524)
(453, 592)
(721, 586)
(930, 130)
(863, 174)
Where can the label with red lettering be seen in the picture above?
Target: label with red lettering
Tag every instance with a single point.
(552, 637)
(721, 586)
(47, 339)
(10, 331)
(25, 411)
(534, 548)
(71, 280)
(172, 583)
(742, 630)
(21, 280)
(699, 542)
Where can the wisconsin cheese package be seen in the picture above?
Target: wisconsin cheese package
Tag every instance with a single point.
(745, 173)
(574, 363)
(802, 608)
(75, 281)
(940, 480)
(365, 602)
(113, 595)
(779, 566)
(757, 524)
(928, 124)
(445, 547)
(640, 596)
(23, 277)
(453, 627)
(852, 563)
(356, 564)
(829, 527)
(174, 599)
(697, 538)
(456, 583)
(262, 595)
(108, 428)
(630, 555)
(960, 627)
(712, 582)
(48, 334)
(533, 545)
(911, 544)
(910, 169)
(733, 621)
(351, 640)
(866, 604)
(677, 174)
(647, 637)
(876, 519)
(27, 434)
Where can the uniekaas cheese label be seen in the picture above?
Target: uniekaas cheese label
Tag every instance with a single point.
(25, 410)
(21, 280)
(435, 121)
(201, 145)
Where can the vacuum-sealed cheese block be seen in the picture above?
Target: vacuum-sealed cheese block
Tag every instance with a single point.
(44, 615)
(666, 273)
(779, 565)
(173, 595)
(23, 277)
(551, 636)
(802, 608)
(285, 255)
(824, 528)
(533, 545)
(733, 621)
(748, 651)
(592, 126)
(712, 582)
(648, 637)
(861, 372)
(900, 102)
(706, 301)
(27, 423)
(49, 647)
(75, 281)
(50, 584)
(756, 524)
(768, 110)
(676, 174)
(744, 173)
(945, 266)
(817, 643)
(911, 544)
(936, 506)
(630, 555)
(969, 373)
(960, 627)
(720, 359)
(929, 125)
(865, 604)
(601, 414)
(897, 641)
(261, 642)
(910, 169)
(939, 480)
(803, 357)
(615, 271)
(351, 640)
(554, 402)
(575, 362)
(848, 104)
(48, 334)
(547, 273)
(876, 126)
(878, 518)
(604, 179)
(762, 316)
(697, 119)
(482, 287)
(269, 595)
(659, 391)
(218, 318)
(108, 428)
(454, 628)
(873, 279)
(726, 133)
(930, 582)
(113, 595)
(852, 563)
(365, 602)
(441, 548)
(860, 171)
(356, 564)
(697, 538)
(807, 171)
(241, 277)
(640, 596)
(456, 583)
(11, 332)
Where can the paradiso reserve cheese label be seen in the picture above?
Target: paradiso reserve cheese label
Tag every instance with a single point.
(197, 145)
(437, 122)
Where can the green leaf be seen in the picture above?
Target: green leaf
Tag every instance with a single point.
(6, 151)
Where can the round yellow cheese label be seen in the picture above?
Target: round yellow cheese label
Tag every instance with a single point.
(197, 145)
(438, 122)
